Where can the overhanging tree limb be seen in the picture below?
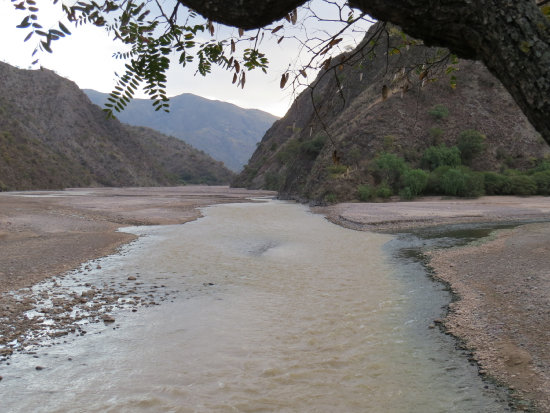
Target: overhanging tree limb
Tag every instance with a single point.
(512, 37)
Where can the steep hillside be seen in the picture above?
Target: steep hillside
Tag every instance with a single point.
(226, 132)
(52, 136)
(302, 160)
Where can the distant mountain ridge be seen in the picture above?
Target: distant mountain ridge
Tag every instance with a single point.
(52, 136)
(225, 131)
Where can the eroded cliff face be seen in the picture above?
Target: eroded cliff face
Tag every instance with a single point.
(297, 155)
(52, 136)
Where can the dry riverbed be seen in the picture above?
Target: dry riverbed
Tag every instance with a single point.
(502, 311)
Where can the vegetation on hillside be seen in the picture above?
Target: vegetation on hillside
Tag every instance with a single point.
(341, 141)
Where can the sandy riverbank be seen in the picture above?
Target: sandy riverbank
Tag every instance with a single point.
(503, 285)
(44, 234)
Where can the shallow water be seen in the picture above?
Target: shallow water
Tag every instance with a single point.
(275, 309)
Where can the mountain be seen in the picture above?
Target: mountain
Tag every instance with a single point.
(52, 136)
(303, 160)
(226, 132)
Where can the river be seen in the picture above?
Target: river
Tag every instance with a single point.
(274, 309)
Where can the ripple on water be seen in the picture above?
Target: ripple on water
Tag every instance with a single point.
(278, 310)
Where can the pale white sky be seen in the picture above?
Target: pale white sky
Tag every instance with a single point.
(85, 57)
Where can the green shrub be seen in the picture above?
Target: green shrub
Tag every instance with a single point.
(365, 192)
(475, 184)
(470, 143)
(289, 151)
(406, 193)
(354, 155)
(543, 165)
(436, 134)
(313, 147)
(542, 179)
(388, 169)
(384, 191)
(389, 143)
(336, 170)
(522, 185)
(414, 181)
(460, 181)
(331, 198)
(496, 184)
(442, 155)
(452, 182)
(439, 111)
(273, 181)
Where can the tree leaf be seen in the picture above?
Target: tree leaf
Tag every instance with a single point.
(24, 23)
(284, 79)
(46, 47)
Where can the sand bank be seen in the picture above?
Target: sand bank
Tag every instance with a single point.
(47, 233)
(502, 312)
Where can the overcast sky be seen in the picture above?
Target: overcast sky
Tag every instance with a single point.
(85, 57)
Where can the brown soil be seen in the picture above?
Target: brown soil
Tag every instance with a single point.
(503, 285)
(45, 234)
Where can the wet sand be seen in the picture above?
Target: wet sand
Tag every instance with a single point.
(502, 286)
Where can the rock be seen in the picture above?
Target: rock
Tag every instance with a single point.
(431, 326)
(0, 378)
(131, 278)
(108, 318)
(98, 267)
(39, 368)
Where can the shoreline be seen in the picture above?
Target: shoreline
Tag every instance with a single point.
(44, 235)
(500, 311)
(501, 286)
(47, 233)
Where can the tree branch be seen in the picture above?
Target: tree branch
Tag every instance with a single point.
(246, 14)
(512, 37)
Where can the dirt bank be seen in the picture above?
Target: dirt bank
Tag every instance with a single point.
(430, 211)
(503, 286)
(46, 233)
(503, 313)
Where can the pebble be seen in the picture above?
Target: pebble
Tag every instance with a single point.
(108, 318)
(39, 368)
(131, 278)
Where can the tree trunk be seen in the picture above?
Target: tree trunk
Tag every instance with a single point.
(246, 14)
(512, 37)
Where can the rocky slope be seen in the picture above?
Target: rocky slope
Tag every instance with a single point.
(226, 132)
(303, 160)
(52, 136)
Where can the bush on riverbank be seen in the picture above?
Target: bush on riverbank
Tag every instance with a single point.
(443, 174)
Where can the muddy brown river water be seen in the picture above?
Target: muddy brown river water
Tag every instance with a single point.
(272, 309)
